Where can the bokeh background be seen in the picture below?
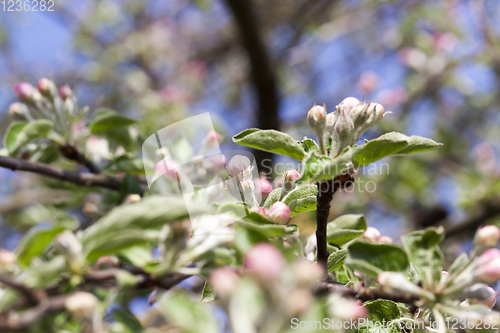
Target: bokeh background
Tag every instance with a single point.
(256, 63)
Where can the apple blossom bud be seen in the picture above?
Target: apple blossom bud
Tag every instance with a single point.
(288, 180)
(486, 238)
(264, 186)
(8, 261)
(71, 247)
(345, 309)
(311, 248)
(167, 168)
(19, 111)
(481, 294)
(265, 262)
(385, 240)
(132, 198)
(259, 210)
(239, 164)
(211, 141)
(24, 91)
(397, 283)
(65, 92)
(371, 234)
(488, 269)
(47, 87)
(331, 118)
(224, 280)
(214, 162)
(81, 305)
(248, 191)
(307, 274)
(343, 131)
(316, 118)
(279, 213)
(106, 262)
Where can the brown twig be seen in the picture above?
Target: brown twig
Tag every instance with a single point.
(72, 153)
(83, 179)
(31, 295)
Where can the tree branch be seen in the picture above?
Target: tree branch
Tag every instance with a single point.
(262, 70)
(82, 179)
(31, 295)
(72, 153)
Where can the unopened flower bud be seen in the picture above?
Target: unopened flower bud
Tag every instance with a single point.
(343, 130)
(19, 111)
(316, 118)
(385, 240)
(331, 118)
(106, 262)
(311, 248)
(259, 210)
(279, 213)
(224, 280)
(345, 309)
(481, 294)
(132, 198)
(265, 262)
(72, 249)
(65, 92)
(8, 261)
(488, 269)
(264, 186)
(307, 274)
(288, 179)
(47, 87)
(81, 305)
(239, 164)
(211, 141)
(24, 91)
(372, 234)
(397, 283)
(486, 238)
(167, 168)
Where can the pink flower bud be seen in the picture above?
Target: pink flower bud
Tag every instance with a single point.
(348, 103)
(385, 240)
(488, 256)
(215, 162)
(288, 181)
(238, 164)
(65, 92)
(47, 87)
(265, 262)
(264, 186)
(331, 118)
(259, 210)
(372, 234)
(488, 271)
(487, 237)
(24, 91)
(279, 213)
(167, 168)
(343, 129)
(81, 305)
(224, 280)
(8, 261)
(316, 117)
(481, 294)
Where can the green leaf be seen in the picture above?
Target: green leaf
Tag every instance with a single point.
(316, 167)
(418, 144)
(11, 133)
(270, 141)
(151, 212)
(34, 242)
(272, 197)
(107, 119)
(459, 264)
(336, 260)
(208, 293)
(190, 315)
(376, 149)
(302, 199)
(345, 228)
(382, 312)
(270, 230)
(373, 259)
(128, 322)
(127, 164)
(309, 145)
(21, 133)
(423, 250)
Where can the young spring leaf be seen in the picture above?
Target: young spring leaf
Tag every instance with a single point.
(336, 259)
(271, 141)
(345, 228)
(21, 133)
(302, 199)
(373, 259)
(382, 312)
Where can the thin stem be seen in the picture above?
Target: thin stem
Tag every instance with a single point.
(321, 142)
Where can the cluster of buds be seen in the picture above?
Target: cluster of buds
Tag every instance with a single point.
(344, 127)
(486, 238)
(373, 235)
